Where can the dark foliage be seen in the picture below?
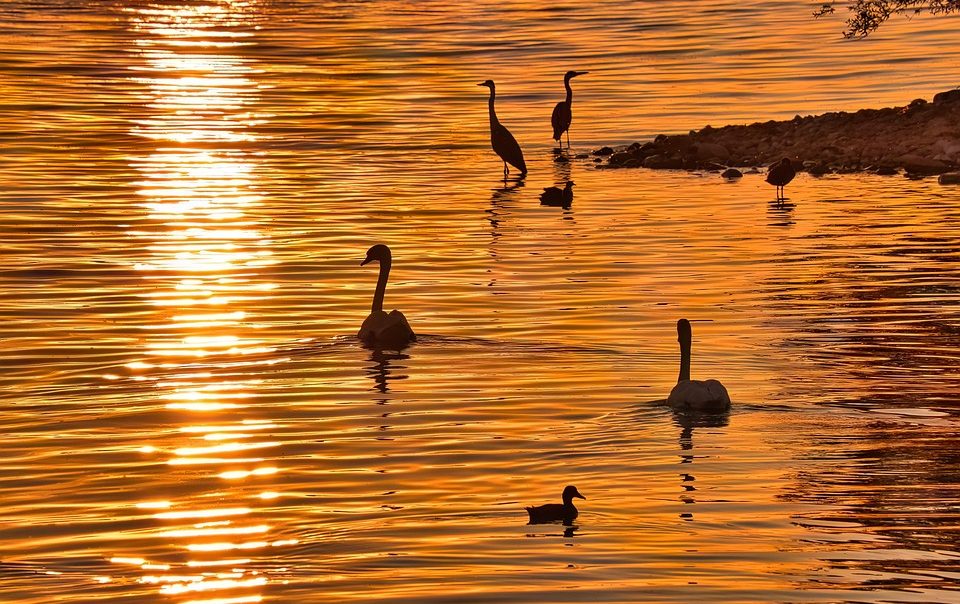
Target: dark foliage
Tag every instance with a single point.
(868, 15)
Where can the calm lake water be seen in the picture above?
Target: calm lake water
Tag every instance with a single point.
(188, 189)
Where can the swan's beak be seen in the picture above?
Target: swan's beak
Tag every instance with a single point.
(366, 260)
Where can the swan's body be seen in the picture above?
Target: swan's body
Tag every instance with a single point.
(780, 175)
(503, 143)
(706, 396)
(563, 112)
(381, 329)
(555, 196)
(556, 512)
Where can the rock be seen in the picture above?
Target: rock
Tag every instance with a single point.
(732, 173)
(917, 164)
(633, 147)
(603, 151)
(582, 156)
(886, 170)
(619, 158)
(561, 159)
(948, 96)
(663, 162)
(816, 169)
(917, 103)
(949, 178)
(711, 151)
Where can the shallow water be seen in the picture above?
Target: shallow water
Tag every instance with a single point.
(188, 188)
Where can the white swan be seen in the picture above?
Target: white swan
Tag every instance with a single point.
(708, 396)
(380, 329)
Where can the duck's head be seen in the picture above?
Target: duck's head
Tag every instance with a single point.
(488, 83)
(379, 252)
(684, 333)
(569, 492)
(570, 184)
(573, 74)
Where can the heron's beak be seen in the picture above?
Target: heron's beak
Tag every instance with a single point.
(582, 72)
(482, 84)
(366, 260)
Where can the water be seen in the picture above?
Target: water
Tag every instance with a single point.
(188, 189)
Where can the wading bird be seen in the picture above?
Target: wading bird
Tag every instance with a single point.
(563, 113)
(557, 197)
(780, 174)
(501, 140)
(380, 329)
(706, 396)
(556, 512)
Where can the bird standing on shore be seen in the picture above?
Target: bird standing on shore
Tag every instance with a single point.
(695, 395)
(563, 112)
(503, 143)
(557, 197)
(556, 512)
(780, 174)
(380, 329)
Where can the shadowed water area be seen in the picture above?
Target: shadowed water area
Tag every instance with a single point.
(187, 189)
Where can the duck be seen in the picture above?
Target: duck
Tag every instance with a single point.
(780, 175)
(380, 329)
(556, 512)
(709, 396)
(555, 196)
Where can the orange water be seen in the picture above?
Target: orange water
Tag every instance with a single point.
(188, 189)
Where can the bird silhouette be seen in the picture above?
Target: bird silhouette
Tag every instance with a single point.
(384, 330)
(556, 512)
(503, 143)
(704, 396)
(557, 197)
(780, 174)
(563, 113)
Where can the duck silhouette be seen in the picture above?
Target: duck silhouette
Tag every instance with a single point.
(556, 512)
(557, 197)
(708, 396)
(380, 329)
(780, 175)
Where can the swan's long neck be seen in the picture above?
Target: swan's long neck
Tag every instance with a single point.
(685, 346)
(566, 84)
(381, 285)
(493, 112)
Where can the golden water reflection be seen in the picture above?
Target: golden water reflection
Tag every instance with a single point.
(206, 256)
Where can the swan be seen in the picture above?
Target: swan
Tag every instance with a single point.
(555, 196)
(780, 175)
(380, 329)
(708, 396)
(553, 512)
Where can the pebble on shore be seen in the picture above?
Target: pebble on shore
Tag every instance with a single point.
(920, 139)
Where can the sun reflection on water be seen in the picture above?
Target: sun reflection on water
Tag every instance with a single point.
(204, 268)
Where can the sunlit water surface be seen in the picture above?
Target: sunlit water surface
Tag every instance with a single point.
(187, 191)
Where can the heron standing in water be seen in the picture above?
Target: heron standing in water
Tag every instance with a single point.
(562, 113)
(501, 140)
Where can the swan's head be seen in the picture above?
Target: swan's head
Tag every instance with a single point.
(573, 74)
(379, 252)
(488, 83)
(684, 333)
(569, 492)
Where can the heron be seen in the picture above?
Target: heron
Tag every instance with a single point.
(503, 143)
(780, 175)
(562, 113)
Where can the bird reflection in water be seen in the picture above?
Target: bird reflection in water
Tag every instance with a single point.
(501, 203)
(688, 419)
(780, 212)
(382, 371)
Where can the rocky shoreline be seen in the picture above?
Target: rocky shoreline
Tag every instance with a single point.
(917, 140)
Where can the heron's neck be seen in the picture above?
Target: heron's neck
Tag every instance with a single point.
(566, 84)
(493, 112)
(381, 286)
(684, 361)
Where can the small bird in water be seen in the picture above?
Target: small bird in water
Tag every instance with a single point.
(780, 174)
(503, 143)
(380, 329)
(705, 396)
(557, 197)
(556, 512)
(563, 112)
